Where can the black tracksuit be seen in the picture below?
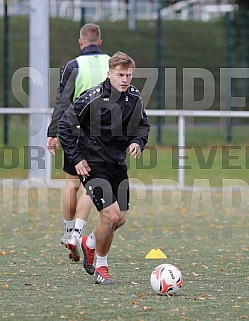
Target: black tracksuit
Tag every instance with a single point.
(109, 120)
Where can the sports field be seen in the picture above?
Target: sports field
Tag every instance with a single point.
(207, 238)
(204, 233)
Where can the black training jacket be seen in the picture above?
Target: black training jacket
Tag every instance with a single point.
(109, 120)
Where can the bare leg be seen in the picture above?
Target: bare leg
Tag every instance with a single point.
(101, 238)
(83, 209)
(105, 228)
(121, 222)
(84, 205)
(72, 184)
(110, 219)
(76, 210)
(122, 219)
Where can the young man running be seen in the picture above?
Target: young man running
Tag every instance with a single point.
(112, 121)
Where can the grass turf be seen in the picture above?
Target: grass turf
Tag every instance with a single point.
(209, 242)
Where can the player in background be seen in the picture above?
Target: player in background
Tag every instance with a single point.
(78, 75)
(112, 121)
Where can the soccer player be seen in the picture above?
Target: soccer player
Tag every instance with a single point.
(112, 121)
(78, 75)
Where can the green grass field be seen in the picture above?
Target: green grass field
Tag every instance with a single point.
(204, 233)
(208, 241)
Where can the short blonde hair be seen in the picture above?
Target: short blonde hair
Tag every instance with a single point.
(90, 32)
(121, 59)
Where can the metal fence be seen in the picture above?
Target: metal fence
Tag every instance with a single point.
(99, 10)
(181, 115)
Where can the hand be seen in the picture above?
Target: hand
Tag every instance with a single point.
(134, 150)
(82, 168)
(52, 142)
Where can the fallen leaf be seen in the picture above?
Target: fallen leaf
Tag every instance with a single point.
(147, 308)
(245, 248)
(5, 286)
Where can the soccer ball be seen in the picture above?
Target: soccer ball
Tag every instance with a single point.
(166, 279)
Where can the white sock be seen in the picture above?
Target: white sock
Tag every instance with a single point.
(78, 227)
(68, 227)
(91, 241)
(101, 261)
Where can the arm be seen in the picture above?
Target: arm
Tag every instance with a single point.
(140, 129)
(76, 116)
(134, 150)
(64, 96)
(82, 168)
(68, 135)
(52, 143)
(68, 128)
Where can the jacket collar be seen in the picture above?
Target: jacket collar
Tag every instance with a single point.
(91, 49)
(111, 92)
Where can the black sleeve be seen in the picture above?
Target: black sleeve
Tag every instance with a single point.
(64, 96)
(140, 127)
(68, 132)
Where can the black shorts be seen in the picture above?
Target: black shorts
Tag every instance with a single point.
(106, 185)
(69, 167)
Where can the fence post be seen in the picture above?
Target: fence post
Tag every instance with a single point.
(181, 149)
(132, 11)
(82, 17)
(159, 64)
(229, 59)
(39, 165)
(6, 73)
